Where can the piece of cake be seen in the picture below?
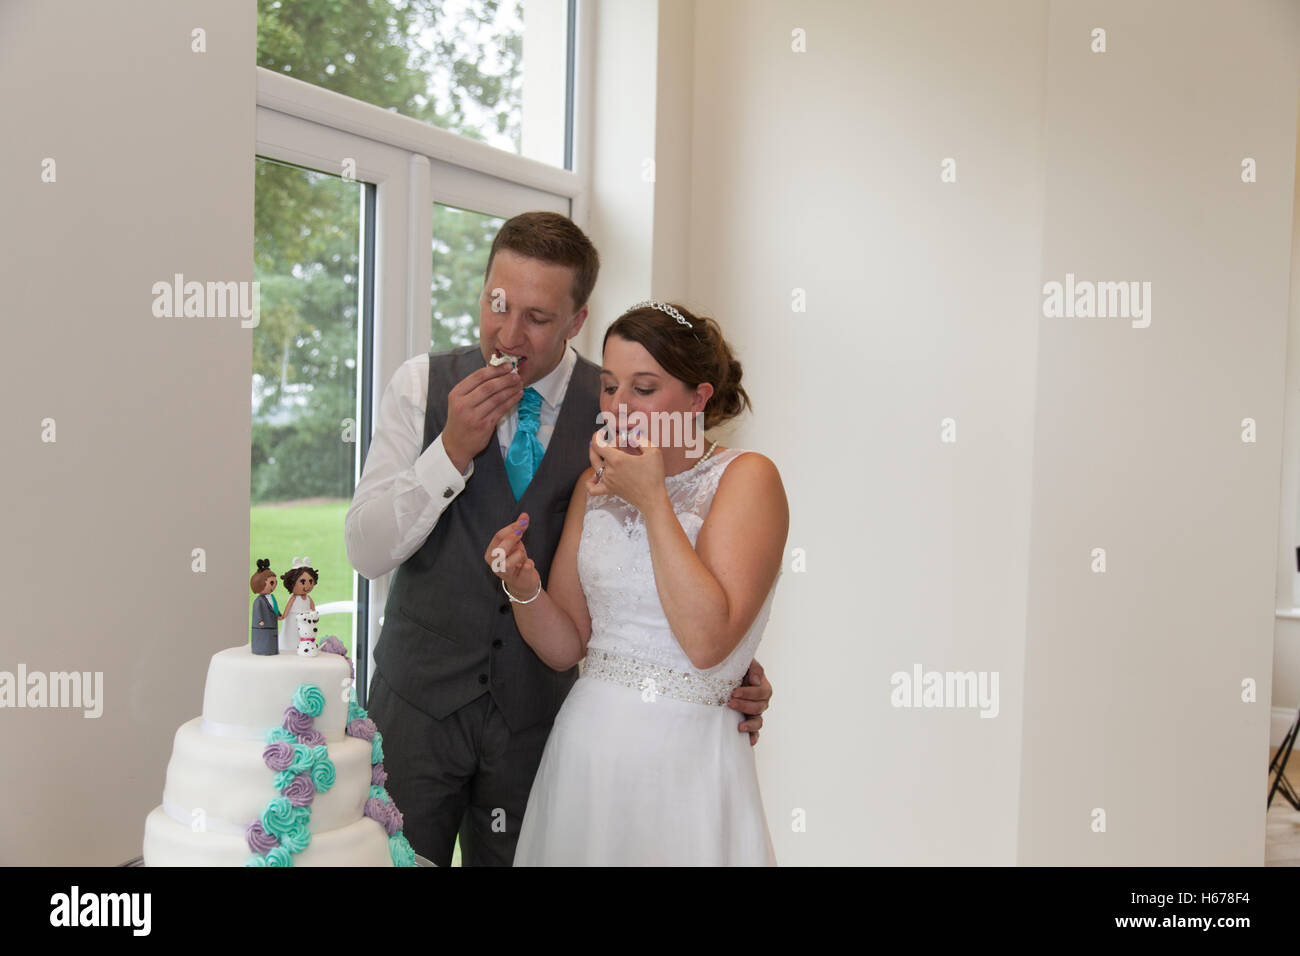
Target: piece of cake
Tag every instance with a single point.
(500, 358)
(282, 769)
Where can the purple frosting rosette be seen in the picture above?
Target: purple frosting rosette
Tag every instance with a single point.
(278, 755)
(385, 813)
(259, 841)
(363, 728)
(301, 791)
(296, 722)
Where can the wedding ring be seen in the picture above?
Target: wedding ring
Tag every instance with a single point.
(596, 477)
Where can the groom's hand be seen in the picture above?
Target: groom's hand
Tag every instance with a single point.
(474, 407)
(752, 698)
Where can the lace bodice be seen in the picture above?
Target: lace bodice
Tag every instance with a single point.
(618, 579)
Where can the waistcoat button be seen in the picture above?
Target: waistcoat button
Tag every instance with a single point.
(482, 678)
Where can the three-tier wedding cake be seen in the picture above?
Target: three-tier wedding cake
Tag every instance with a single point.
(282, 769)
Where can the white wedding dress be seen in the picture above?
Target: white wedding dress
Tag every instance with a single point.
(643, 767)
(288, 643)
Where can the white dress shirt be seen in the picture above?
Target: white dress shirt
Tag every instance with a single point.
(402, 491)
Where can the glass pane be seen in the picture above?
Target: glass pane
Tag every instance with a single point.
(490, 70)
(307, 251)
(461, 242)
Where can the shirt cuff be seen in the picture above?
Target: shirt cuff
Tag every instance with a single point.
(438, 475)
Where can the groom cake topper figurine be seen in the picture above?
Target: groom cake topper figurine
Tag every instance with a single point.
(264, 628)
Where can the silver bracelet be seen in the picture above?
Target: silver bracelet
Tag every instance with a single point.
(515, 599)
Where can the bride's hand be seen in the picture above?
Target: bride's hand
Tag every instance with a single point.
(636, 477)
(509, 560)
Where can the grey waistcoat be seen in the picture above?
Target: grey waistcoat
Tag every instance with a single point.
(449, 634)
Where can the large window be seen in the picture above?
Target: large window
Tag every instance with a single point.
(461, 242)
(306, 366)
(497, 71)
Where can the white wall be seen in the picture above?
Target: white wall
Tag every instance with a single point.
(1286, 640)
(153, 150)
(1134, 692)
(820, 171)
(620, 205)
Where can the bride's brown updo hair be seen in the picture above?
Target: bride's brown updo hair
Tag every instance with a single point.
(691, 355)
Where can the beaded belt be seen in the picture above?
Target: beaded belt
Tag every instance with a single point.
(654, 680)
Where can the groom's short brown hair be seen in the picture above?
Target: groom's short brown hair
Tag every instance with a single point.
(550, 237)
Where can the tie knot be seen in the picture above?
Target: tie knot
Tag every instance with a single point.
(530, 407)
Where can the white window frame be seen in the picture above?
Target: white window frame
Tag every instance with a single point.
(413, 166)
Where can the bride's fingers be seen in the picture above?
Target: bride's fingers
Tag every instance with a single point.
(514, 563)
(502, 543)
(509, 534)
(506, 565)
(607, 450)
(505, 550)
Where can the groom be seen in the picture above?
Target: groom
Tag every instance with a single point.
(464, 705)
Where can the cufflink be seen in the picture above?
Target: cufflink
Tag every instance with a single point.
(447, 492)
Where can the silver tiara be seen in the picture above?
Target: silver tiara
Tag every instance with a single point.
(663, 307)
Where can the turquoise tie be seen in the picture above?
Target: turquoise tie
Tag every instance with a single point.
(526, 451)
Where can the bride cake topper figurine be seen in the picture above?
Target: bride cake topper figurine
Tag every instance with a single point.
(264, 626)
(299, 581)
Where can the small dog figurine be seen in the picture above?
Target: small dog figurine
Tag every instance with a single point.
(307, 633)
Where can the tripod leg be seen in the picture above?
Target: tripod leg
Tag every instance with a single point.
(1287, 742)
(1285, 753)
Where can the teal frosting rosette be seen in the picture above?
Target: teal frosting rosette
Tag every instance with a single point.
(309, 699)
(322, 770)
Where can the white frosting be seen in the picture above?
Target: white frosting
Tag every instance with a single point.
(247, 693)
(229, 781)
(168, 843)
(500, 358)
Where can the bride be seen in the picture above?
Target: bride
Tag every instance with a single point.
(662, 582)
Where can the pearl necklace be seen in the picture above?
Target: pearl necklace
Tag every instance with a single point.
(698, 463)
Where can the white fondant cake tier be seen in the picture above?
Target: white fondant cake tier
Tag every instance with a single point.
(169, 843)
(228, 781)
(246, 694)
